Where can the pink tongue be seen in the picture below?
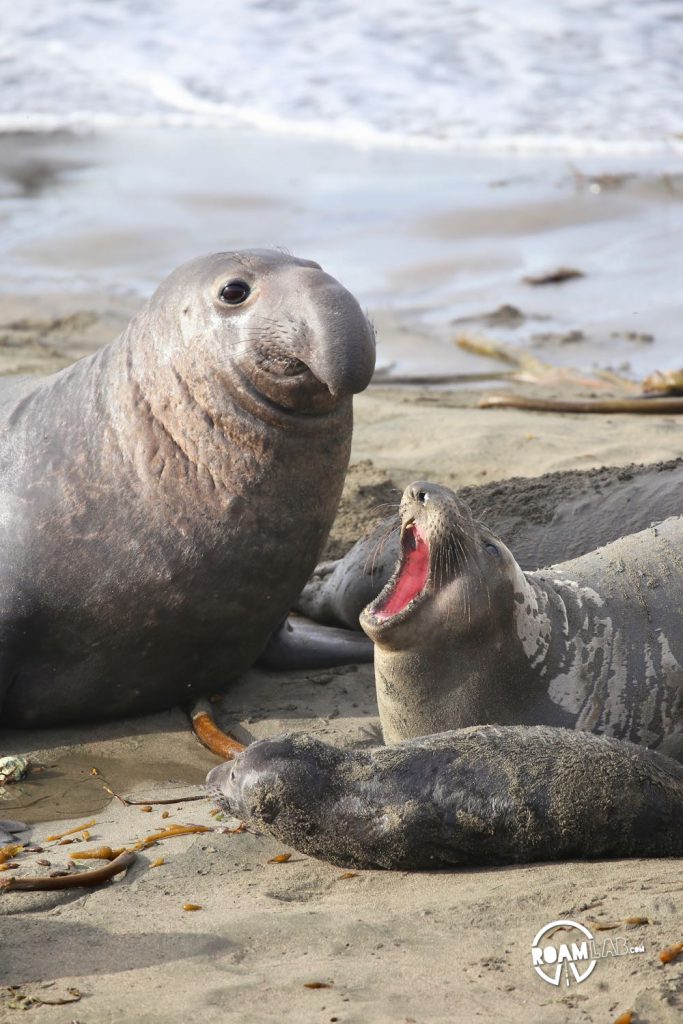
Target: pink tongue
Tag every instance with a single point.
(412, 580)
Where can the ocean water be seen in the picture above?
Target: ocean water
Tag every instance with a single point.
(430, 155)
(544, 74)
(427, 241)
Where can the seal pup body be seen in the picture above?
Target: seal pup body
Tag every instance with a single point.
(462, 636)
(548, 519)
(152, 496)
(484, 795)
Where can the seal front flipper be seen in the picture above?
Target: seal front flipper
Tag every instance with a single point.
(300, 644)
(338, 591)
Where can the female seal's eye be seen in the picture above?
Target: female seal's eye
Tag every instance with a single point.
(235, 292)
(492, 549)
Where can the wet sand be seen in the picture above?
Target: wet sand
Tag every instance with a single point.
(430, 243)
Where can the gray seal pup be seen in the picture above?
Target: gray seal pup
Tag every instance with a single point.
(546, 519)
(464, 637)
(483, 795)
(163, 501)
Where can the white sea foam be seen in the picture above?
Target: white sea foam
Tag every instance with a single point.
(574, 75)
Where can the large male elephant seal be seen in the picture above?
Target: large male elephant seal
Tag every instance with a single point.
(546, 519)
(483, 795)
(163, 501)
(464, 637)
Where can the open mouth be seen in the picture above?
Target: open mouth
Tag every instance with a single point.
(412, 576)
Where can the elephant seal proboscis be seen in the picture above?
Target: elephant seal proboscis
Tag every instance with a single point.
(464, 637)
(546, 519)
(163, 501)
(483, 795)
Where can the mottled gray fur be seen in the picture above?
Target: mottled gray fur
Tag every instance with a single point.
(484, 795)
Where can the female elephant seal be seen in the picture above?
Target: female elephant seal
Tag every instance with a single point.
(545, 520)
(164, 500)
(462, 636)
(484, 795)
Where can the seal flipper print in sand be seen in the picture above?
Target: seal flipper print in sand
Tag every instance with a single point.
(164, 500)
(547, 519)
(464, 637)
(484, 795)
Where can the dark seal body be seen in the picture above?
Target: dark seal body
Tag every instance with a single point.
(163, 501)
(464, 637)
(484, 795)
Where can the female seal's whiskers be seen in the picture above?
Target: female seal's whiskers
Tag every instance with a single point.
(376, 552)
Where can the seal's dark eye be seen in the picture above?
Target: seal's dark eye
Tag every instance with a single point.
(493, 550)
(235, 292)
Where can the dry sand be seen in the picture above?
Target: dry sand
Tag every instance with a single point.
(392, 947)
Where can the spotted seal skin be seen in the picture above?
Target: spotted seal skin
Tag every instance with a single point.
(163, 501)
(547, 519)
(483, 795)
(462, 636)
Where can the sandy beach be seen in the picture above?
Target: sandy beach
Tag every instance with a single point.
(386, 947)
(437, 247)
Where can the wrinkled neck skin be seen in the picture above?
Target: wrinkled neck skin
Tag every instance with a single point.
(495, 673)
(187, 437)
(206, 424)
(159, 470)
